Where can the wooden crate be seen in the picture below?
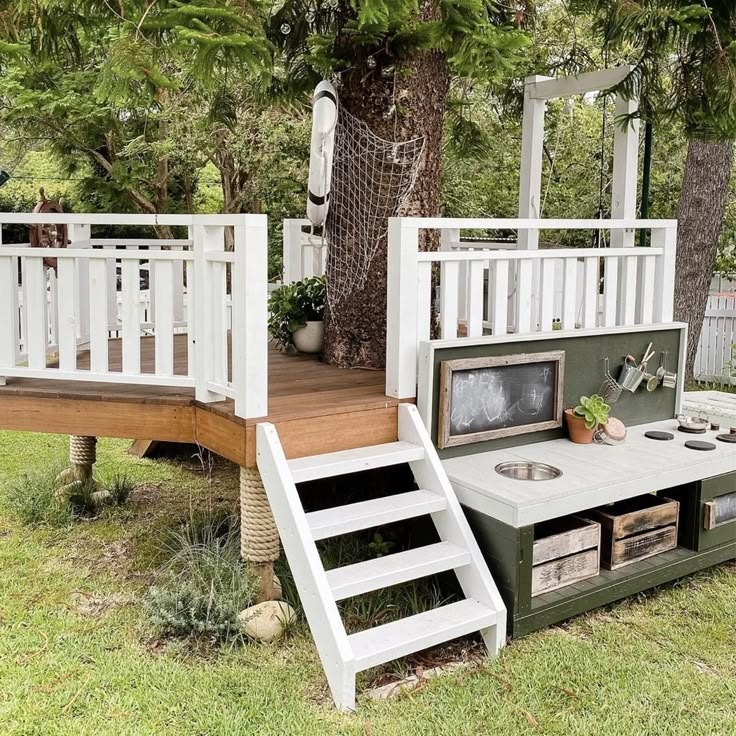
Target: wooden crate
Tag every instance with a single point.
(636, 528)
(565, 551)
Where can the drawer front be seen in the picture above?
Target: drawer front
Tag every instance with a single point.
(717, 520)
(718, 486)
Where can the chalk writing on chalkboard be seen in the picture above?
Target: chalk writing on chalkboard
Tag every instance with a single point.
(487, 398)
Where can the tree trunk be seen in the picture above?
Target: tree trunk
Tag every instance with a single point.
(700, 219)
(398, 105)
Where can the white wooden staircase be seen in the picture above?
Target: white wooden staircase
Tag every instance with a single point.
(344, 655)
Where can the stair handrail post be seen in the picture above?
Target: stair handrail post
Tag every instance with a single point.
(401, 309)
(250, 317)
(205, 240)
(666, 239)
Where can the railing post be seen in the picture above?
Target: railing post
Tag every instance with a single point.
(401, 310)
(8, 306)
(664, 280)
(250, 317)
(292, 251)
(79, 237)
(205, 240)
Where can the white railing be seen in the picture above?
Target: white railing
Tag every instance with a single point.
(96, 291)
(492, 291)
(304, 254)
(716, 357)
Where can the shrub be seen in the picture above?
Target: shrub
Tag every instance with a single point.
(31, 499)
(204, 586)
(293, 305)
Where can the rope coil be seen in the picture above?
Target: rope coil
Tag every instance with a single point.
(259, 537)
(82, 450)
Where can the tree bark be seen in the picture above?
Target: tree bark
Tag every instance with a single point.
(398, 106)
(700, 214)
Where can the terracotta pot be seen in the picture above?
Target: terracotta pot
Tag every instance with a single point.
(310, 338)
(577, 430)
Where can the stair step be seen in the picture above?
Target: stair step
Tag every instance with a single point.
(399, 638)
(383, 572)
(366, 514)
(353, 461)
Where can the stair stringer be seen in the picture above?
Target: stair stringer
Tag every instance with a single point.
(306, 566)
(452, 526)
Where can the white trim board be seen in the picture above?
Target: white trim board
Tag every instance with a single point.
(425, 375)
(593, 475)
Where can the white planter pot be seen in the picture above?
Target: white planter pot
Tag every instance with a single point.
(310, 339)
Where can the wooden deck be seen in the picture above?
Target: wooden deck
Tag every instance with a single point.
(316, 407)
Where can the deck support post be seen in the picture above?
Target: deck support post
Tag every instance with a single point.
(82, 456)
(259, 537)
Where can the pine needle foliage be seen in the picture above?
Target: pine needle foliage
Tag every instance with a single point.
(684, 56)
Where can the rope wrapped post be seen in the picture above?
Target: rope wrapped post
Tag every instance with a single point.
(259, 537)
(82, 456)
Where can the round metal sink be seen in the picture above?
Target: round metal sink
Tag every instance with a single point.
(528, 471)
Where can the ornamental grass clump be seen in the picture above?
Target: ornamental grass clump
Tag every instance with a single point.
(204, 585)
(32, 499)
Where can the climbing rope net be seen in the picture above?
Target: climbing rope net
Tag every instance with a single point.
(371, 180)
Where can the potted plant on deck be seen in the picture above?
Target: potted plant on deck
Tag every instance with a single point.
(586, 417)
(296, 314)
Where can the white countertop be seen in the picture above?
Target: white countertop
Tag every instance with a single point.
(592, 475)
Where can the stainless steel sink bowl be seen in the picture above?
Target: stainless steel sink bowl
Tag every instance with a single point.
(528, 471)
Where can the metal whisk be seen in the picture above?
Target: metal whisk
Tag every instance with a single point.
(610, 388)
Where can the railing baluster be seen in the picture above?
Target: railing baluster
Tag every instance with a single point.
(547, 314)
(525, 273)
(67, 291)
(164, 318)
(610, 291)
(53, 312)
(191, 345)
(36, 312)
(570, 295)
(627, 290)
(590, 305)
(130, 316)
(112, 291)
(424, 301)
(647, 290)
(449, 299)
(500, 281)
(98, 337)
(475, 298)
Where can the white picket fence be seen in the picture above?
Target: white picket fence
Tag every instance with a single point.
(95, 291)
(484, 290)
(716, 357)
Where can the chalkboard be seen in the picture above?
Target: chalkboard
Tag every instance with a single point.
(487, 398)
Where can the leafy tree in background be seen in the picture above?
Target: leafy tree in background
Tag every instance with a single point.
(101, 83)
(685, 69)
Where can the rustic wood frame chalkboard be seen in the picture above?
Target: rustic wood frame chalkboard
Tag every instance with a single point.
(447, 438)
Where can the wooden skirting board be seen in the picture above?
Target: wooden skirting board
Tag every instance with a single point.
(191, 422)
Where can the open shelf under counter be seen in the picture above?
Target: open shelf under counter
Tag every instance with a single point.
(592, 475)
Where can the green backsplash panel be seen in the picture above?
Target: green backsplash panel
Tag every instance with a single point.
(584, 364)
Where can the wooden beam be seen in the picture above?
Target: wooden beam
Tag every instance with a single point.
(98, 418)
(540, 88)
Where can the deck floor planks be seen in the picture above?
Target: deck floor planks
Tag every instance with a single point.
(301, 389)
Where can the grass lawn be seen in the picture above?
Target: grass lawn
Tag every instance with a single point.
(77, 657)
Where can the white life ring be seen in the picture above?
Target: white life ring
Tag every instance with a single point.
(324, 119)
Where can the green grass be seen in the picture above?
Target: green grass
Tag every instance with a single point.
(77, 658)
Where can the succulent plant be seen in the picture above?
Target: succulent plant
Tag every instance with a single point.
(593, 409)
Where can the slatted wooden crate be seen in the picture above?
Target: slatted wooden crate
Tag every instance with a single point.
(565, 551)
(636, 528)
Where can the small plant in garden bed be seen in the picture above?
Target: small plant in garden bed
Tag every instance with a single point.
(32, 498)
(293, 305)
(204, 586)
